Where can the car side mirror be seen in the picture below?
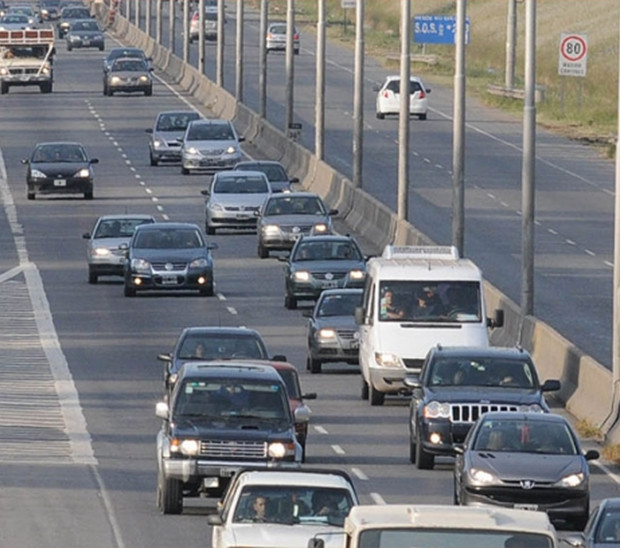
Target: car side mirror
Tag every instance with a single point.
(576, 540)
(205, 192)
(165, 357)
(25, 161)
(149, 130)
(498, 320)
(283, 259)
(279, 358)
(376, 87)
(302, 414)
(412, 381)
(551, 385)
(307, 313)
(86, 235)
(428, 90)
(294, 180)
(359, 315)
(459, 449)
(241, 139)
(592, 454)
(333, 212)
(162, 410)
(124, 246)
(93, 161)
(214, 519)
(309, 396)
(212, 245)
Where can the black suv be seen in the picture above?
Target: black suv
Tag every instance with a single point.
(458, 384)
(220, 418)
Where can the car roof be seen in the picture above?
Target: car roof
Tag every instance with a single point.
(299, 194)
(260, 163)
(481, 351)
(301, 477)
(126, 216)
(232, 370)
(610, 503)
(328, 238)
(214, 121)
(205, 330)
(397, 77)
(171, 112)
(55, 143)
(126, 51)
(521, 416)
(341, 291)
(239, 173)
(167, 224)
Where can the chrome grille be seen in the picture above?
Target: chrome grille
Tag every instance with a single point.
(213, 152)
(469, 412)
(241, 208)
(303, 229)
(233, 449)
(335, 275)
(346, 335)
(161, 266)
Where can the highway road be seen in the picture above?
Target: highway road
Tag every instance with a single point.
(78, 372)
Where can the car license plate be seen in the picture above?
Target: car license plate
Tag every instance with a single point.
(168, 280)
(228, 472)
(242, 216)
(86, 42)
(329, 285)
(60, 182)
(526, 506)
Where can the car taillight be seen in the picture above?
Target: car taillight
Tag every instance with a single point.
(195, 17)
(386, 94)
(269, 35)
(422, 95)
(296, 36)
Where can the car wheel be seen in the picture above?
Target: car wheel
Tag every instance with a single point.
(153, 160)
(129, 291)
(101, 48)
(148, 92)
(46, 87)
(184, 171)
(109, 92)
(579, 523)
(209, 229)
(412, 448)
(69, 47)
(290, 302)
(31, 195)
(296, 52)
(88, 195)
(455, 497)
(422, 116)
(315, 366)
(424, 460)
(376, 398)
(169, 496)
(92, 277)
(4, 88)
(263, 253)
(364, 393)
(207, 291)
(380, 115)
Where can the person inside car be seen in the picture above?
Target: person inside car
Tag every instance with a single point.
(390, 310)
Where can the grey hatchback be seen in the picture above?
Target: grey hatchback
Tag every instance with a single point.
(168, 128)
(284, 218)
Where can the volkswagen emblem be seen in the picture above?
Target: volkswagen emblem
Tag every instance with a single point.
(356, 335)
(329, 276)
(296, 230)
(169, 266)
(527, 484)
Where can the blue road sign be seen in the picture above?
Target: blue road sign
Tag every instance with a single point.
(437, 29)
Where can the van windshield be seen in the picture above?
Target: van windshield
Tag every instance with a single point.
(430, 301)
(451, 538)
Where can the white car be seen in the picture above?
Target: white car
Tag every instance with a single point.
(234, 199)
(276, 38)
(283, 508)
(109, 232)
(388, 97)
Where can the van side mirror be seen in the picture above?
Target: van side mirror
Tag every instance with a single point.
(359, 315)
(551, 385)
(498, 320)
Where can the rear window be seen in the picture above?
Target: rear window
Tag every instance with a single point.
(241, 185)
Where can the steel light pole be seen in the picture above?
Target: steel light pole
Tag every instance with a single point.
(319, 122)
(290, 64)
(402, 206)
(358, 96)
(262, 59)
(239, 52)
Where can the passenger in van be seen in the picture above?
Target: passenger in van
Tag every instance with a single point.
(429, 303)
(390, 310)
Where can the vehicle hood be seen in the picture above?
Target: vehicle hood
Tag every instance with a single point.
(338, 322)
(212, 148)
(295, 220)
(86, 33)
(413, 342)
(329, 266)
(168, 255)
(238, 200)
(228, 429)
(518, 466)
(60, 169)
(129, 73)
(110, 243)
(483, 394)
(169, 136)
(275, 535)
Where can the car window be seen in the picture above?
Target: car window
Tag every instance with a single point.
(175, 122)
(606, 532)
(210, 132)
(59, 153)
(327, 251)
(130, 65)
(216, 346)
(170, 238)
(118, 228)
(241, 185)
(339, 305)
(509, 373)
(291, 380)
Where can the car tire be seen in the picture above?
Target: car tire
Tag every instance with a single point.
(263, 252)
(422, 116)
(148, 92)
(315, 366)
(101, 48)
(109, 92)
(380, 115)
(184, 171)
(376, 398)
(296, 52)
(169, 496)
(153, 160)
(579, 524)
(46, 87)
(424, 460)
(129, 291)
(290, 302)
(69, 47)
(207, 291)
(4, 88)
(455, 497)
(92, 277)
(88, 195)
(31, 195)
(364, 392)
(209, 229)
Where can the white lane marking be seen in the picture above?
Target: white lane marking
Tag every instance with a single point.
(377, 498)
(221, 297)
(338, 450)
(232, 310)
(359, 474)
(319, 429)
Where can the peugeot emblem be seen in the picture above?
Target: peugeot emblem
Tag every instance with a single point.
(296, 229)
(329, 276)
(169, 266)
(527, 484)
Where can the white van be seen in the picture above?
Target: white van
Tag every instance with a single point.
(416, 297)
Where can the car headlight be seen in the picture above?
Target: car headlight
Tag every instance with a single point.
(4, 71)
(36, 174)
(140, 265)
(101, 252)
(573, 480)
(46, 70)
(387, 359)
(144, 79)
(326, 334)
(84, 173)
(301, 276)
(199, 263)
(320, 228)
(280, 450)
(157, 143)
(215, 206)
(533, 408)
(64, 25)
(193, 150)
(436, 410)
(481, 477)
(185, 447)
(115, 80)
(357, 274)
(231, 150)
(271, 230)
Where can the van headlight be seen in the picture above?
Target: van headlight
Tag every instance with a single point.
(387, 359)
(280, 450)
(186, 447)
(436, 410)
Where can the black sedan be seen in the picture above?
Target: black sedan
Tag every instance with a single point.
(168, 257)
(277, 175)
(322, 262)
(530, 461)
(85, 33)
(128, 75)
(332, 333)
(68, 15)
(117, 53)
(603, 528)
(59, 168)
(213, 343)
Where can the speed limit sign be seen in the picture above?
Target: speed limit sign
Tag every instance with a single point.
(573, 55)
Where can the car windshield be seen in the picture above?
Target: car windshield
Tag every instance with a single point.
(302, 205)
(241, 185)
(339, 305)
(507, 373)
(430, 301)
(275, 173)
(169, 238)
(175, 121)
(77, 13)
(118, 228)
(210, 132)
(451, 538)
(609, 527)
(85, 25)
(15, 18)
(129, 65)
(327, 250)
(59, 153)
(291, 380)
(218, 346)
(118, 53)
(523, 436)
(293, 504)
(226, 400)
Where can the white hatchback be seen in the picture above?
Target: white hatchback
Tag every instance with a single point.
(388, 97)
